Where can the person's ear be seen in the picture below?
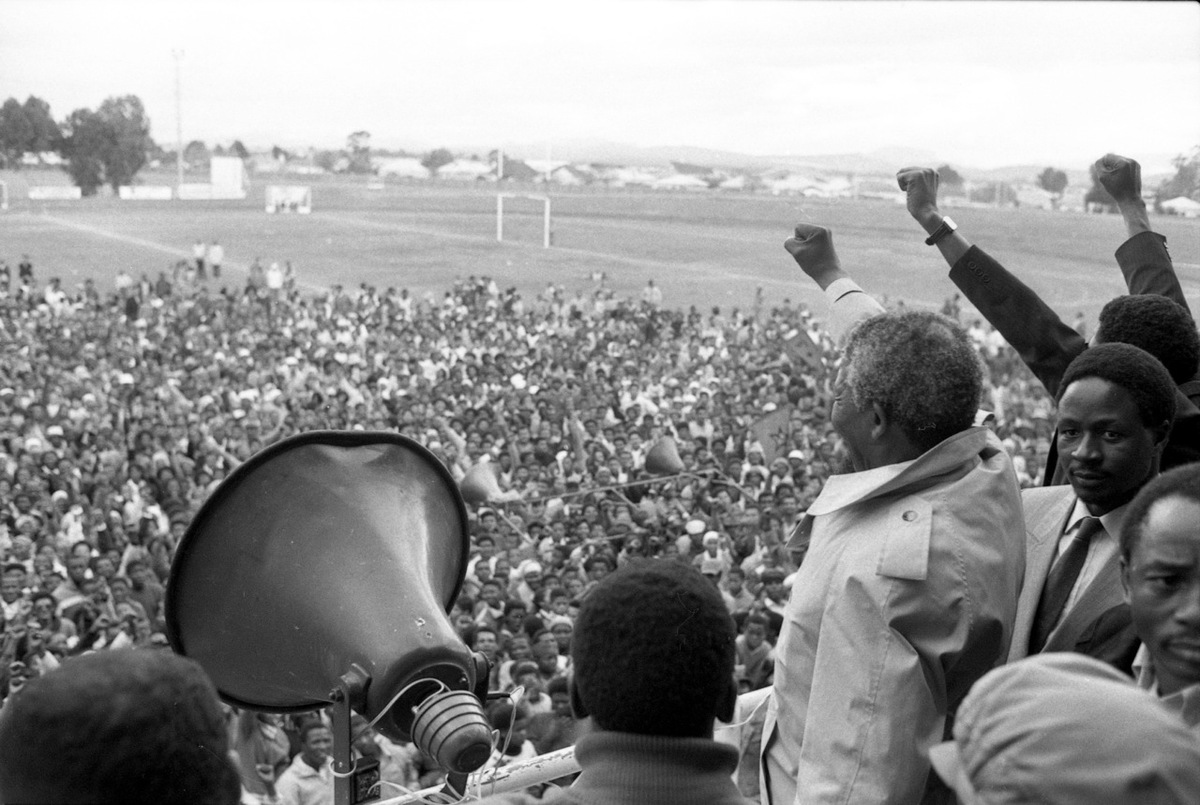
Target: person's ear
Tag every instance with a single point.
(1125, 577)
(577, 707)
(727, 703)
(879, 421)
(1161, 432)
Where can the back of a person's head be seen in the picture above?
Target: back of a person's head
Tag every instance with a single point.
(1136, 371)
(653, 652)
(921, 368)
(117, 727)
(1156, 324)
(1065, 729)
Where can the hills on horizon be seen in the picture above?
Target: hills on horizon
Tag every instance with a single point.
(882, 162)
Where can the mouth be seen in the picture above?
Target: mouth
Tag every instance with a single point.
(1088, 478)
(1186, 649)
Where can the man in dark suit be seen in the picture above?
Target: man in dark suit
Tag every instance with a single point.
(1154, 317)
(1115, 407)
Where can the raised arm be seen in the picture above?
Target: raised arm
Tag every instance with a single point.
(812, 248)
(1045, 343)
(1143, 258)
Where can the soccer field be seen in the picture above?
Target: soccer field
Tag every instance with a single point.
(703, 249)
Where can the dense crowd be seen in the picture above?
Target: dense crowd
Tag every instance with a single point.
(120, 413)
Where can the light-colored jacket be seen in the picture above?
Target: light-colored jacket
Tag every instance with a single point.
(907, 595)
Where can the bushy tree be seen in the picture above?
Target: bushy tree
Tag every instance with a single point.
(358, 148)
(1098, 195)
(1186, 181)
(949, 177)
(1053, 180)
(46, 135)
(196, 154)
(86, 140)
(437, 158)
(238, 150)
(15, 132)
(109, 145)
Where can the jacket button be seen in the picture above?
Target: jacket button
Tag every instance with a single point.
(909, 516)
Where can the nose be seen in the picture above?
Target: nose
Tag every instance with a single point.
(1088, 448)
(1188, 611)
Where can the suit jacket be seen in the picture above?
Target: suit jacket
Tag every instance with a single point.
(1047, 345)
(1099, 623)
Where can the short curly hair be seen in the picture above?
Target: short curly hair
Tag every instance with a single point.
(653, 650)
(1133, 369)
(921, 369)
(1156, 324)
(1182, 482)
(118, 726)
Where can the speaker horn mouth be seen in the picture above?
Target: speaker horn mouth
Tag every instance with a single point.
(451, 728)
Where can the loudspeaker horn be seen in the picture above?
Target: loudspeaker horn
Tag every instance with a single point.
(329, 555)
(663, 458)
(479, 485)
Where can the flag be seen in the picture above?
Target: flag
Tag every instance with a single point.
(772, 432)
(798, 348)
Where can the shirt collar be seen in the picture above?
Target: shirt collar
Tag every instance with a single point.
(848, 489)
(1112, 521)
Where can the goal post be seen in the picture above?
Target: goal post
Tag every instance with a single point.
(289, 198)
(545, 215)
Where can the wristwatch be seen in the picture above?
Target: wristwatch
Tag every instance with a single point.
(942, 231)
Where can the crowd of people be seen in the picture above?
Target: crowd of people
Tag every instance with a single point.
(587, 431)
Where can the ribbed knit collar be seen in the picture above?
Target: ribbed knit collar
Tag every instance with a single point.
(624, 767)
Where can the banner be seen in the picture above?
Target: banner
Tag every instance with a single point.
(55, 192)
(800, 350)
(772, 432)
(145, 192)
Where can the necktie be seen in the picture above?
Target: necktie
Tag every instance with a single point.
(1060, 581)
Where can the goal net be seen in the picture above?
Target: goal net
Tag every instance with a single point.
(289, 198)
(545, 204)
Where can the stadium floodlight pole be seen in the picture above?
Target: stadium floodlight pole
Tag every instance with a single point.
(177, 53)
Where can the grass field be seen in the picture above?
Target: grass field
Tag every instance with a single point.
(703, 249)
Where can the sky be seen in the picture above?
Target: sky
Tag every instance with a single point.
(981, 84)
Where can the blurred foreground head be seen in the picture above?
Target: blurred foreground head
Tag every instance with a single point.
(653, 652)
(1065, 729)
(134, 726)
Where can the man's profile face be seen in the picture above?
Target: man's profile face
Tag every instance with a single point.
(1162, 584)
(852, 423)
(1108, 452)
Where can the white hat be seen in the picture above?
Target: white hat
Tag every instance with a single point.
(694, 527)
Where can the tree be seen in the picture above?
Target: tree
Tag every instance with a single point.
(109, 145)
(238, 150)
(1098, 195)
(326, 160)
(86, 139)
(1186, 181)
(15, 132)
(47, 136)
(437, 158)
(1053, 181)
(196, 154)
(358, 146)
(950, 177)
